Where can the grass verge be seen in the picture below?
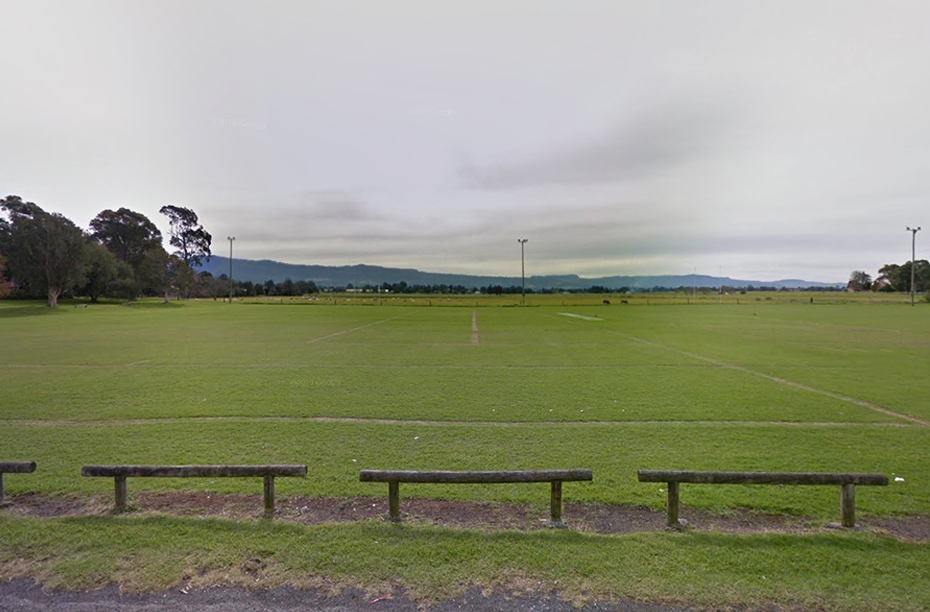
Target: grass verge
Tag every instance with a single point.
(843, 571)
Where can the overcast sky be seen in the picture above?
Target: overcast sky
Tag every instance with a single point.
(766, 140)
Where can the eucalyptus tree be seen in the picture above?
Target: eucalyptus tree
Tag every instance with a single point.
(46, 251)
(190, 239)
(126, 233)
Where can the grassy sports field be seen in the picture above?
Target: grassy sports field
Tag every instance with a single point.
(347, 383)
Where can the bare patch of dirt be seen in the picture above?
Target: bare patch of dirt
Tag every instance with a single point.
(912, 528)
(486, 516)
(24, 595)
(35, 504)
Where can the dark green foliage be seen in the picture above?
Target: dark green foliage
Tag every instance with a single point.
(132, 238)
(208, 286)
(181, 275)
(107, 276)
(102, 271)
(46, 251)
(859, 280)
(6, 286)
(127, 234)
(153, 275)
(894, 277)
(187, 235)
(287, 288)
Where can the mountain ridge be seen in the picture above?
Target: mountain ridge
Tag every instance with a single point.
(261, 270)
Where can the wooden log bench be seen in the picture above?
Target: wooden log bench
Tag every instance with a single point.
(846, 481)
(119, 473)
(13, 467)
(555, 477)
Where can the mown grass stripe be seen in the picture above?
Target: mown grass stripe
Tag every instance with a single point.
(784, 381)
(354, 329)
(432, 423)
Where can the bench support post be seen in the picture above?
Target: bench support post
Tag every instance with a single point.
(121, 492)
(555, 503)
(848, 505)
(3, 502)
(672, 506)
(394, 500)
(269, 497)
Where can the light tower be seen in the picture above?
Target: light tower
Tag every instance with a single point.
(913, 231)
(522, 242)
(230, 238)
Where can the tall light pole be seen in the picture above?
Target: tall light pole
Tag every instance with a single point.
(522, 242)
(230, 238)
(913, 231)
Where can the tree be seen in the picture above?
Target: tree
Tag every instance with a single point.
(187, 235)
(153, 274)
(46, 251)
(102, 271)
(181, 276)
(208, 286)
(288, 287)
(270, 287)
(6, 287)
(127, 234)
(898, 277)
(891, 277)
(859, 281)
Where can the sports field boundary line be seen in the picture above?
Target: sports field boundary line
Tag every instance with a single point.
(430, 423)
(354, 329)
(474, 327)
(776, 379)
(782, 381)
(575, 315)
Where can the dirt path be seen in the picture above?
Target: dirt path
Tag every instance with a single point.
(587, 518)
(26, 596)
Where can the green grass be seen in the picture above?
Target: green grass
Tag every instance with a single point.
(833, 571)
(336, 452)
(760, 385)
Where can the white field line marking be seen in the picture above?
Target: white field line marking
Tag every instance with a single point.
(580, 316)
(427, 423)
(474, 327)
(782, 381)
(349, 331)
(787, 383)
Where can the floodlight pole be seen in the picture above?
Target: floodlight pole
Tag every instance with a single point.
(913, 231)
(522, 242)
(230, 238)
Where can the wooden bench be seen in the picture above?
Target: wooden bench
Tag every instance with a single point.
(555, 477)
(846, 481)
(119, 473)
(13, 467)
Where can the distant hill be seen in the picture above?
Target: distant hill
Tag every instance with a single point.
(359, 275)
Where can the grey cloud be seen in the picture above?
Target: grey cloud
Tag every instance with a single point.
(337, 206)
(648, 142)
(617, 137)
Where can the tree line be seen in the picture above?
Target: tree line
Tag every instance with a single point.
(44, 254)
(893, 277)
